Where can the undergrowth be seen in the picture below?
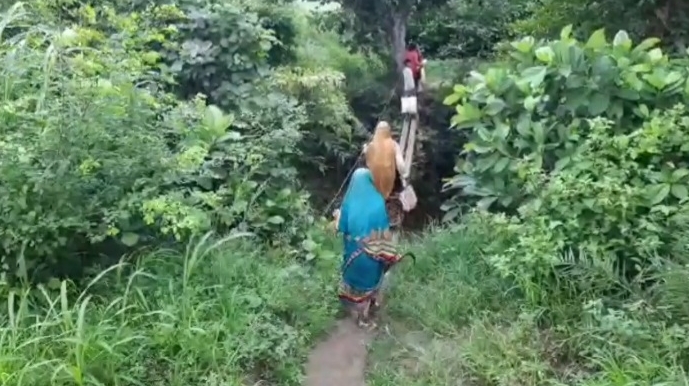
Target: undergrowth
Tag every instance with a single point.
(452, 320)
(225, 312)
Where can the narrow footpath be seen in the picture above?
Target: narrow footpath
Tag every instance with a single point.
(340, 360)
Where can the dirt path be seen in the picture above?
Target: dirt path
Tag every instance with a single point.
(340, 360)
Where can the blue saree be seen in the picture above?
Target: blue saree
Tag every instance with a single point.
(365, 227)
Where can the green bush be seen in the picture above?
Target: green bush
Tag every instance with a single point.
(95, 158)
(583, 147)
(599, 251)
(620, 204)
(532, 110)
(80, 152)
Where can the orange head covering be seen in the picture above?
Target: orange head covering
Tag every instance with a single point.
(380, 159)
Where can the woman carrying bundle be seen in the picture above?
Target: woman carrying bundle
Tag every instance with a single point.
(385, 160)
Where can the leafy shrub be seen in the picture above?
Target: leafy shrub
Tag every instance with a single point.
(599, 251)
(221, 51)
(620, 203)
(583, 147)
(532, 109)
(660, 19)
(80, 151)
(97, 156)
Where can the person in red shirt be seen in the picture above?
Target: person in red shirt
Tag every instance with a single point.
(413, 55)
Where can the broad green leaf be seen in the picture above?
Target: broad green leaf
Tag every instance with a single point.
(452, 214)
(524, 125)
(524, 45)
(545, 54)
(215, 120)
(484, 134)
(276, 220)
(597, 40)
(485, 203)
(599, 103)
(452, 99)
(494, 106)
(673, 77)
(562, 163)
(628, 94)
(468, 112)
(530, 103)
(502, 130)
(460, 89)
(535, 75)
(679, 191)
(643, 110)
(604, 68)
(309, 245)
(646, 45)
(678, 174)
(501, 165)
(566, 32)
(659, 193)
(129, 239)
(655, 55)
(656, 79)
(477, 77)
(622, 40)
(641, 67)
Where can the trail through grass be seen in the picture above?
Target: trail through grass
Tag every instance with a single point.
(234, 313)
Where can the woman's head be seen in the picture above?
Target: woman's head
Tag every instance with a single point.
(361, 183)
(383, 130)
(362, 175)
(363, 206)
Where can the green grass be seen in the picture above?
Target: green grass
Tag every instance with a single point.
(227, 313)
(231, 313)
(452, 321)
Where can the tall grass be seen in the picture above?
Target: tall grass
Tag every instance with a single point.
(223, 313)
(453, 321)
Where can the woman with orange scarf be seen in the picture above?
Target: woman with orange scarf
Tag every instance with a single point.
(384, 159)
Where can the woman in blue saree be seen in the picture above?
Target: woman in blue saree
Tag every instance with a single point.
(368, 251)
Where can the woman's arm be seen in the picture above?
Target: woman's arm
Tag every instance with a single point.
(399, 161)
(341, 218)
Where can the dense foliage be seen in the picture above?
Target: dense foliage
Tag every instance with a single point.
(146, 127)
(578, 151)
(131, 129)
(532, 111)
(100, 155)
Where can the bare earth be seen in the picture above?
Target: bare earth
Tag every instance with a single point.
(340, 360)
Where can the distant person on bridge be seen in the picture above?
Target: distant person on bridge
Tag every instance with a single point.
(416, 62)
(409, 99)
